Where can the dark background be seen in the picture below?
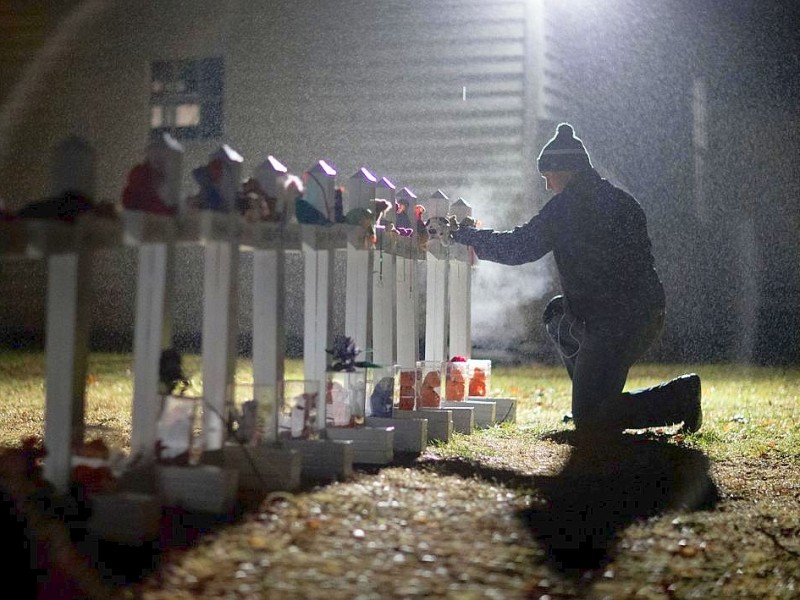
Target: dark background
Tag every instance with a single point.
(730, 259)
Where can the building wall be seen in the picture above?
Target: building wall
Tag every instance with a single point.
(457, 95)
(430, 95)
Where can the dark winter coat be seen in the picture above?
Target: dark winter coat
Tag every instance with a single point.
(599, 240)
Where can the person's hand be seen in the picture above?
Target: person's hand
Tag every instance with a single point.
(458, 229)
(468, 222)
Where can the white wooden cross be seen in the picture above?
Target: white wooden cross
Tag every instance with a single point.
(436, 267)
(407, 303)
(220, 306)
(384, 283)
(67, 322)
(269, 291)
(155, 237)
(460, 289)
(358, 292)
(320, 182)
(318, 278)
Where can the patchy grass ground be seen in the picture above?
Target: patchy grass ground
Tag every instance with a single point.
(514, 511)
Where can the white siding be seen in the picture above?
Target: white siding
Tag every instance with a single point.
(431, 95)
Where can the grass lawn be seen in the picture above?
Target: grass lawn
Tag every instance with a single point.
(513, 511)
(748, 411)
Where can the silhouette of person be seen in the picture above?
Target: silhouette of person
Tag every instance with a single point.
(612, 305)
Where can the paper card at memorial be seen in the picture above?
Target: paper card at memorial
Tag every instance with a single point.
(178, 429)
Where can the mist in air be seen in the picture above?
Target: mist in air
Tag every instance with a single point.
(690, 105)
(500, 293)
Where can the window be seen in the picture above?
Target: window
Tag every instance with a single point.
(186, 98)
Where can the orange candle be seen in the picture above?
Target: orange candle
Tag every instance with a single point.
(477, 384)
(429, 397)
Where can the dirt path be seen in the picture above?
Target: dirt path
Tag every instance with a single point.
(522, 518)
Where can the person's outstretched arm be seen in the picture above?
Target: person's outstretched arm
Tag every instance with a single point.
(523, 244)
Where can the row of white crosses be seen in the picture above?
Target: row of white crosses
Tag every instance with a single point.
(381, 291)
(381, 300)
(448, 288)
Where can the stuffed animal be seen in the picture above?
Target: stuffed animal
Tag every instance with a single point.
(438, 228)
(402, 219)
(209, 178)
(420, 228)
(254, 203)
(143, 190)
(146, 187)
(368, 218)
(243, 425)
(381, 400)
(218, 180)
(289, 192)
(170, 372)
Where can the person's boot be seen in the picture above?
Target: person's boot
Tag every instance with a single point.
(664, 405)
(689, 391)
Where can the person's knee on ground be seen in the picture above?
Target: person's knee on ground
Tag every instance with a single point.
(588, 433)
(596, 423)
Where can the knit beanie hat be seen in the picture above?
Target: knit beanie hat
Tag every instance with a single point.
(564, 152)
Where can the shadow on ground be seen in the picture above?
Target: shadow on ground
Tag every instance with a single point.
(577, 513)
(602, 488)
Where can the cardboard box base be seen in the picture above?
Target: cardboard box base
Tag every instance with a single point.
(463, 416)
(125, 518)
(200, 488)
(371, 445)
(264, 468)
(485, 411)
(440, 421)
(506, 408)
(323, 460)
(410, 435)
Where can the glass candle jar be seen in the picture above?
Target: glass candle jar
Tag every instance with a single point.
(480, 377)
(407, 392)
(430, 383)
(456, 377)
(345, 398)
(297, 409)
(383, 385)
